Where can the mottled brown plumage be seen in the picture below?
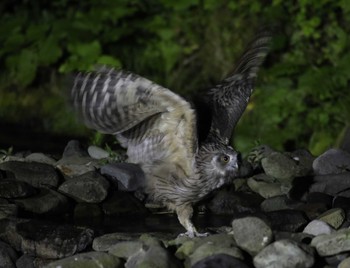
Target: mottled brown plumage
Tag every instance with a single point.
(158, 128)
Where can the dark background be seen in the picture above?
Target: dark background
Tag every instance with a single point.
(302, 94)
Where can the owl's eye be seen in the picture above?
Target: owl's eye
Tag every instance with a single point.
(224, 159)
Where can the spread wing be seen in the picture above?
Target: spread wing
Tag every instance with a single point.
(229, 99)
(151, 121)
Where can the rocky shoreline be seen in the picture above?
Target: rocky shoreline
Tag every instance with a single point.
(287, 209)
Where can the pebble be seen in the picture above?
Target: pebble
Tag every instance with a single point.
(35, 174)
(88, 260)
(8, 256)
(285, 254)
(345, 263)
(97, 152)
(265, 189)
(334, 184)
(89, 187)
(331, 244)
(220, 260)
(333, 161)
(10, 188)
(334, 217)
(287, 220)
(251, 234)
(318, 227)
(45, 202)
(127, 176)
(280, 167)
(40, 158)
(276, 203)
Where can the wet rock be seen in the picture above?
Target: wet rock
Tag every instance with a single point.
(152, 256)
(316, 197)
(189, 246)
(45, 240)
(122, 203)
(90, 187)
(8, 256)
(220, 260)
(285, 254)
(251, 234)
(87, 260)
(13, 189)
(125, 249)
(97, 152)
(341, 202)
(226, 201)
(246, 169)
(128, 176)
(45, 202)
(40, 158)
(334, 217)
(331, 244)
(36, 174)
(74, 148)
(318, 227)
(265, 186)
(279, 166)
(333, 161)
(76, 161)
(303, 160)
(208, 249)
(278, 203)
(335, 260)
(345, 263)
(8, 210)
(287, 220)
(337, 184)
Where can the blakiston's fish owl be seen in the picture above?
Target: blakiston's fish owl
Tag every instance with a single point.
(159, 128)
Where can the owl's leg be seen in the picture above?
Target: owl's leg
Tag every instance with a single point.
(184, 214)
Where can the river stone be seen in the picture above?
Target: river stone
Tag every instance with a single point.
(128, 176)
(88, 260)
(285, 254)
(338, 184)
(208, 249)
(287, 220)
(341, 202)
(40, 158)
(36, 174)
(333, 161)
(45, 202)
(189, 245)
(251, 234)
(74, 148)
(125, 249)
(318, 227)
(97, 152)
(10, 188)
(279, 202)
(8, 210)
(331, 244)
(263, 188)
(345, 263)
(8, 256)
(280, 166)
(86, 211)
(25, 261)
(152, 256)
(45, 240)
(317, 197)
(90, 187)
(122, 203)
(334, 217)
(313, 210)
(220, 260)
(303, 160)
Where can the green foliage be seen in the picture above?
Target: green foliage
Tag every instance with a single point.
(301, 98)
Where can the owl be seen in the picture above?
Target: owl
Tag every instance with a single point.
(159, 128)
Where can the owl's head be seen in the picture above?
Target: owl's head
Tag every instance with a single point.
(218, 164)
